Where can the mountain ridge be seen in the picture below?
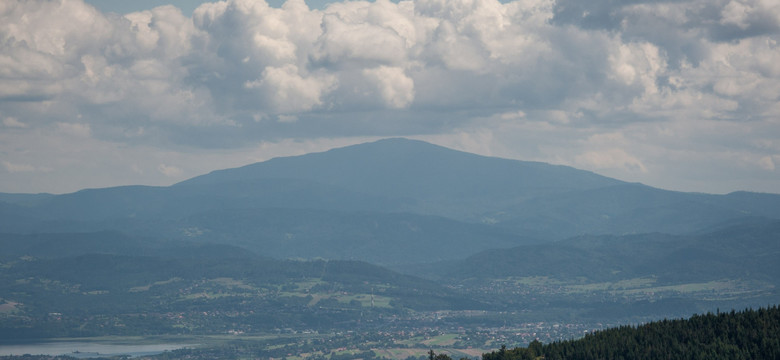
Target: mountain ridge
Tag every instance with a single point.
(333, 197)
(743, 251)
(420, 173)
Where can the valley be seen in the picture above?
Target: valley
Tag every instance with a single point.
(387, 249)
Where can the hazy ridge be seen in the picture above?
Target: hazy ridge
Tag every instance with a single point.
(484, 240)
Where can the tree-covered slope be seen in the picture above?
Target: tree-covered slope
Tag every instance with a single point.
(747, 251)
(206, 289)
(624, 209)
(749, 334)
(376, 237)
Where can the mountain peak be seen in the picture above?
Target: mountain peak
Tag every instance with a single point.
(416, 169)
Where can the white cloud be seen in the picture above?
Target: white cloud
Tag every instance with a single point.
(348, 37)
(604, 151)
(745, 14)
(736, 12)
(638, 63)
(16, 168)
(288, 91)
(394, 87)
(609, 159)
(767, 163)
(288, 118)
(538, 79)
(13, 122)
(169, 170)
(74, 129)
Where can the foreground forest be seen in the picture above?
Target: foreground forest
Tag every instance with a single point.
(750, 334)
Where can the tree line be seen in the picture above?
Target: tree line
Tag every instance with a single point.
(748, 334)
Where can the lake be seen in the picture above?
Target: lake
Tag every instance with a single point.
(87, 349)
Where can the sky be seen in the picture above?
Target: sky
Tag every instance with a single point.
(681, 95)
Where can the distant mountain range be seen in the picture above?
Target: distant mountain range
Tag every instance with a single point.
(423, 227)
(391, 202)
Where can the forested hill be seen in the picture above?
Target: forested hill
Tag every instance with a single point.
(750, 334)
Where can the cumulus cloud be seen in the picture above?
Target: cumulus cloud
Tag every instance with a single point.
(552, 73)
(236, 60)
(395, 88)
(287, 91)
(349, 37)
(637, 64)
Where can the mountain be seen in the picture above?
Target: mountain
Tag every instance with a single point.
(394, 201)
(744, 252)
(396, 175)
(633, 209)
(428, 178)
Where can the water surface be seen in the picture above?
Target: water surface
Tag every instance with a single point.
(87, 349)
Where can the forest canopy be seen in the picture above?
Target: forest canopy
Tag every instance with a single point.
(749, 334)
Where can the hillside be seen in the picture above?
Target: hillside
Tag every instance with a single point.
(625, 278)
(747, 251)
(202, 290)
(749, 334)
